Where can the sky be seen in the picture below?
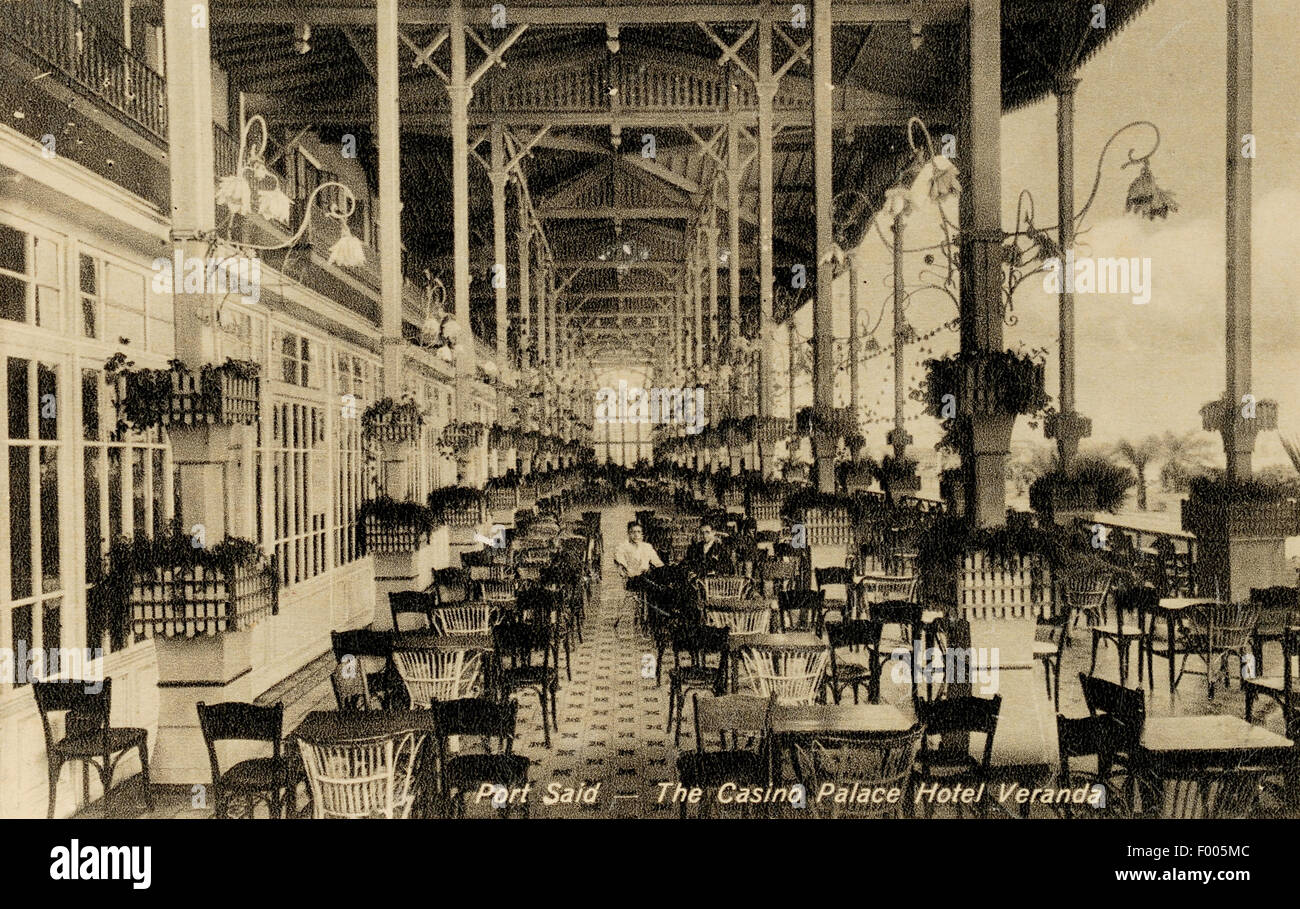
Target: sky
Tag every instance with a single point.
(1142, 369)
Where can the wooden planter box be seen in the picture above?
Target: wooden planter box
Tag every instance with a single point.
(502, 499)
(393, 536)
(1261, 520)
(991, 588)
(397, 428)
(772, 430)
(827, 528)
(197, 600)
(463, 518)
(765, 509)
(215, 396)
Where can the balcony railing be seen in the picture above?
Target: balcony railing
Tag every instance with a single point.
(58, 36)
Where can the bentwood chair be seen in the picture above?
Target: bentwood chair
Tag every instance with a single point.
(876, 760)
(801, 610)
(1281, 688)
(698, 643)
(1132, 606)
(461, 771)
(854, 633)
(516, 644)
(1051, 637)
(362, 778)
(1092, 736)
(954, 716)
(254, 779)
(412, 603)
(1124, 711)
(741, 724)
(1279, 609)
(451, 585)
(836, 576)
(88, 736)
(367, 653)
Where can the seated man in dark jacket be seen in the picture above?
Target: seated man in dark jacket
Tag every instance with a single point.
(709, 554)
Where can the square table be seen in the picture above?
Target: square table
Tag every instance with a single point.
(795, 722)
(1183, 744)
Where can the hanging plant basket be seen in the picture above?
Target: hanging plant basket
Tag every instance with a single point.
(457, 506)
(1217, 510)
(392, 421)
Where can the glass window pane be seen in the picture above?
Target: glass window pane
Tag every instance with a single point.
(20, 522)
(50, 574)
(52, 634)
(90, 404)
(22, 626)
(13, 299)
(47, 307)
(89, 317)
(159, 506)
(94, 531)
(19, 426)
(88, 278)
(47, 261)
(13, 249)
(138, 490)
(47, 402)
(115, 493)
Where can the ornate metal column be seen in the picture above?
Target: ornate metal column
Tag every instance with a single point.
(497, 177)
(458, 89)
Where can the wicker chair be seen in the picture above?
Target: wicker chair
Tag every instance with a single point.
(362, 778)
(795, 675)
(725, 591)
(884, 588)
(884, 760)
(741, 620)
(1084, 593)
(1216, 630)
(462, 618)
(438, 675)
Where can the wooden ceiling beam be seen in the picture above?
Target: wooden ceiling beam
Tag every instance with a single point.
(435, 12)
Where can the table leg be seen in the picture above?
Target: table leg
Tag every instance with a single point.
(1169, 627)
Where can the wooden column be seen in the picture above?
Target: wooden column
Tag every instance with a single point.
(697, 306)
(766, 88)
(855, 345)
(711, 253)
(1239, 434)
(497, 178)
(459, 91)
(824, 301)
(553, 303)
(1067, 427)
(193, 205)
(981, 290)
(733, 234)
(524, 238)
(899, 438)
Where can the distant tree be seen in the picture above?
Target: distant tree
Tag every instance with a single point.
(1184, 457)
(1139, 454)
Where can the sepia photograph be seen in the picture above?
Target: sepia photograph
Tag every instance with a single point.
(693, 410)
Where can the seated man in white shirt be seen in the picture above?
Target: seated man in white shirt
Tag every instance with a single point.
(635, 556)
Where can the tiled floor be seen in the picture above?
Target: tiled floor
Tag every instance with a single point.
(611, 718)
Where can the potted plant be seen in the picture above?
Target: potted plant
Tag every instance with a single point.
(461, 436)
(1218, 508)
(994, 385)
(386, 525)
(1089, 484)
(174, 584)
